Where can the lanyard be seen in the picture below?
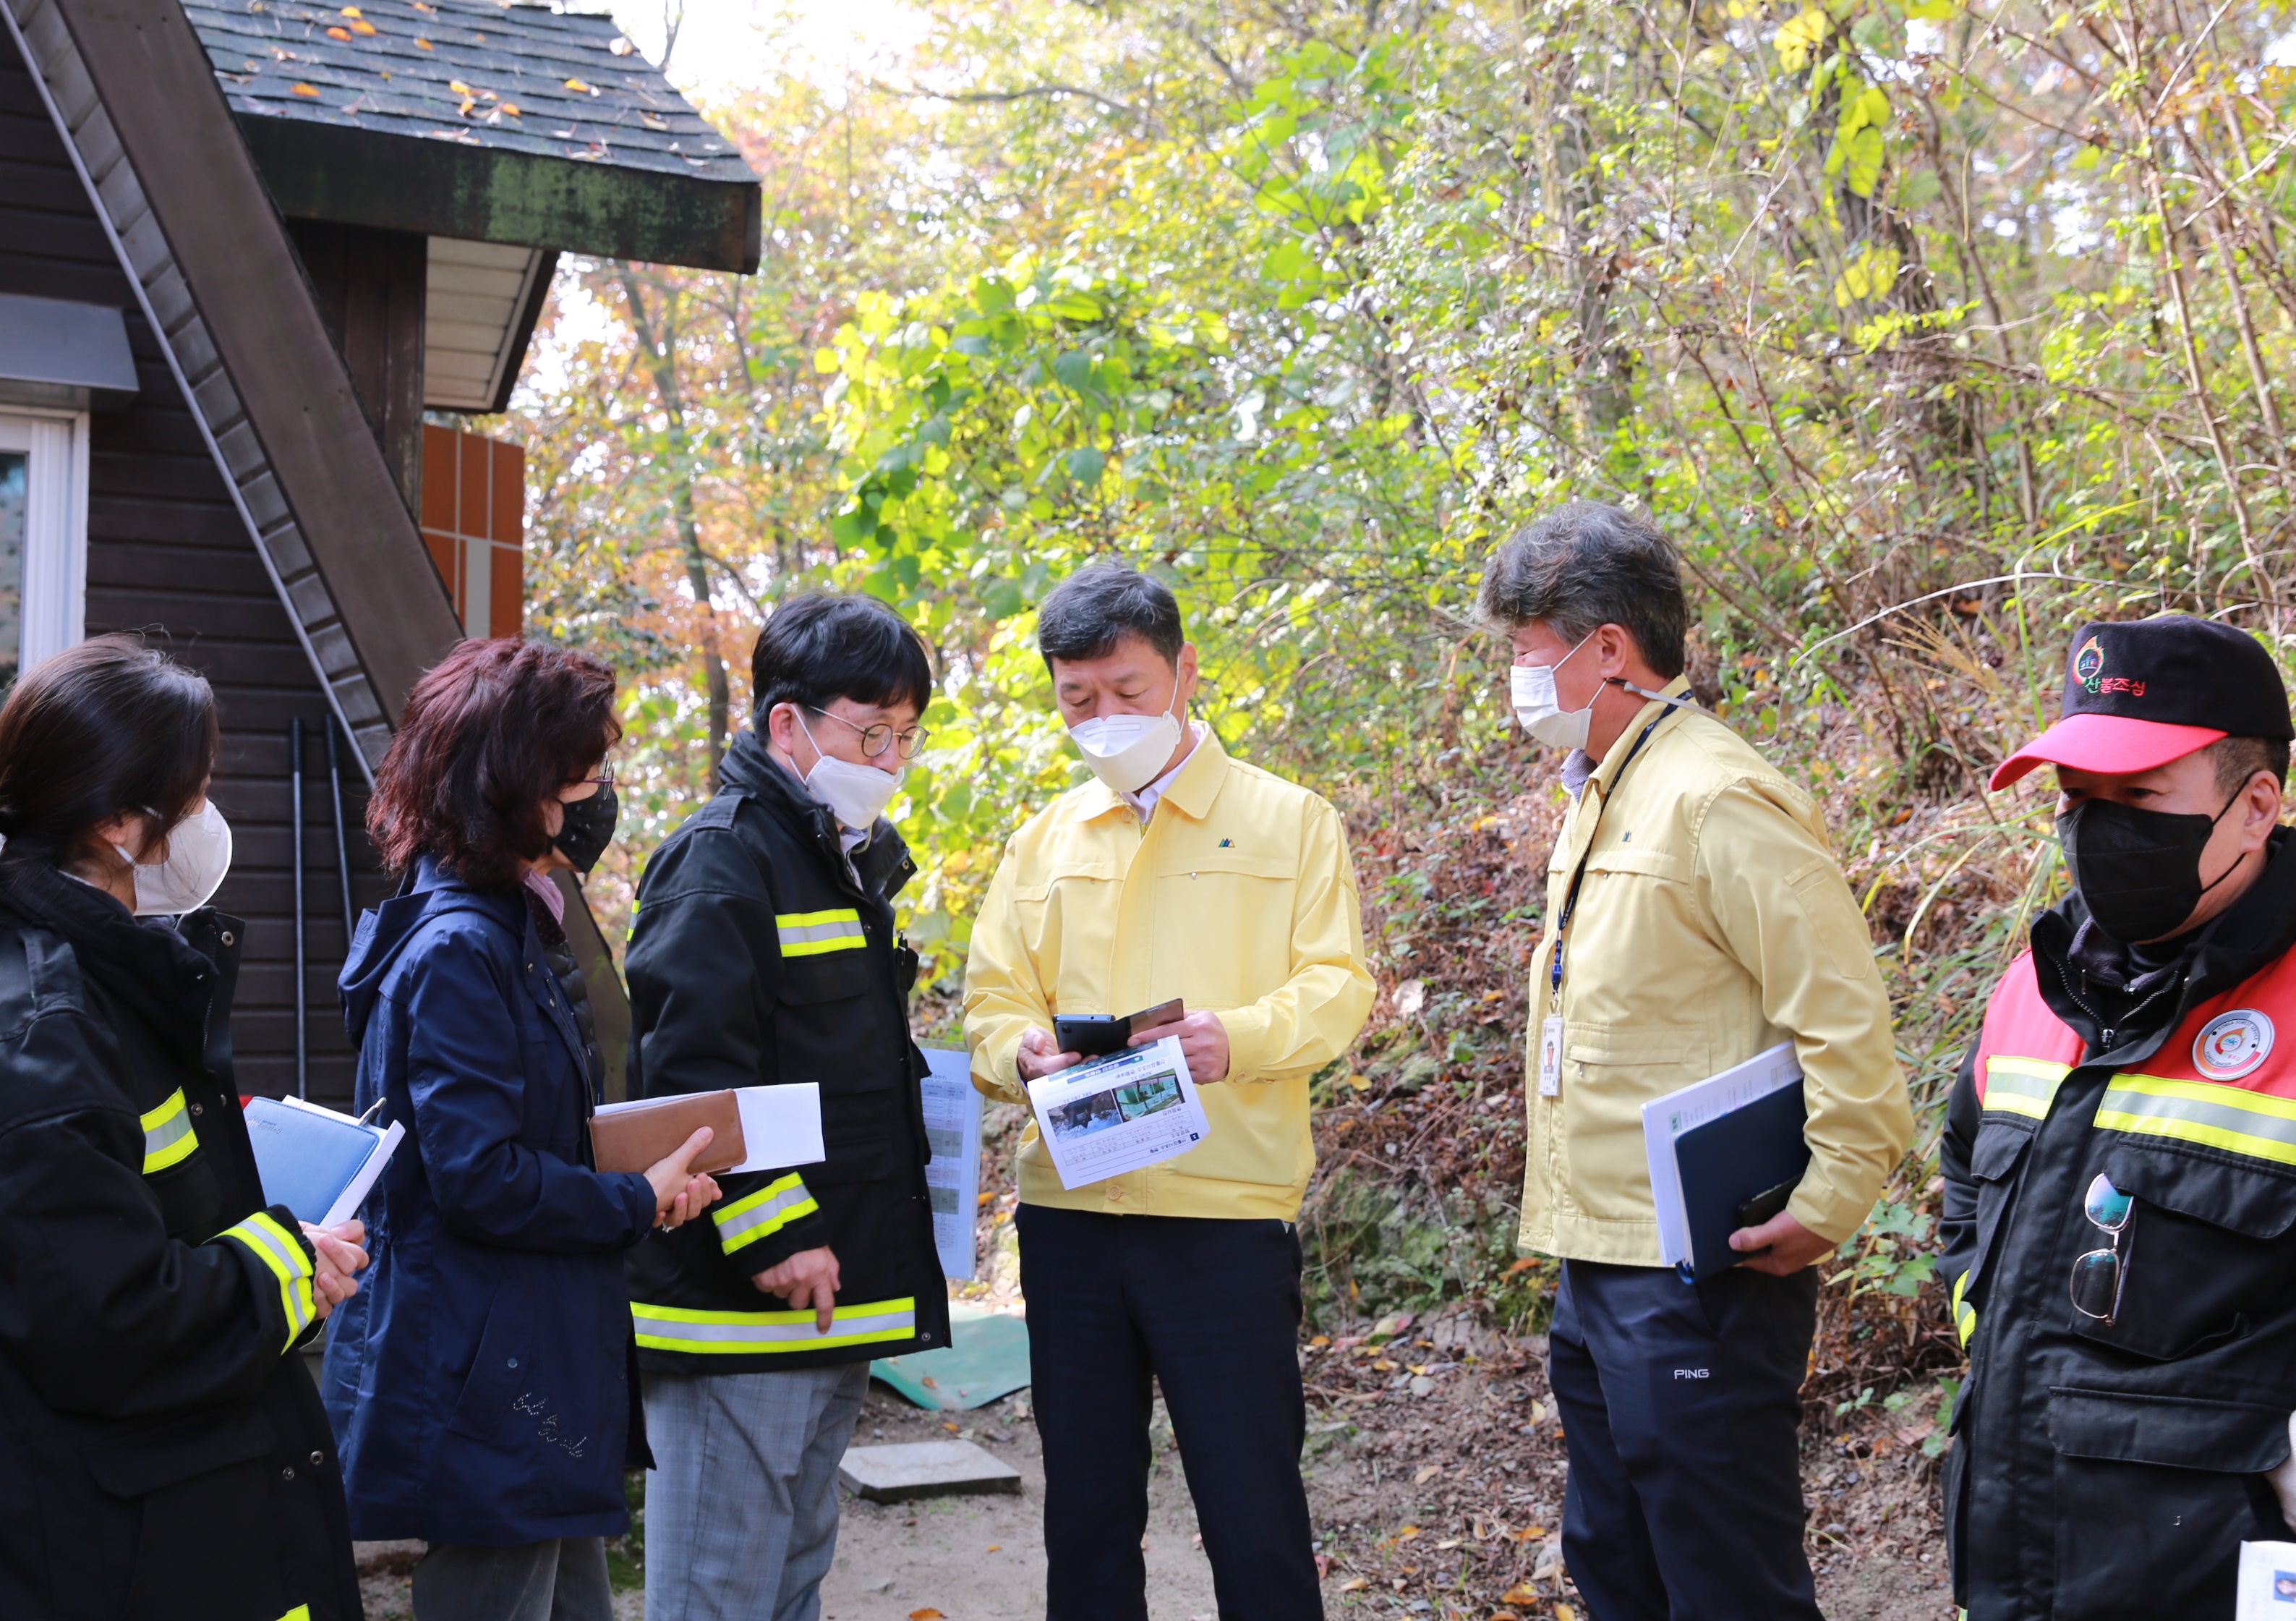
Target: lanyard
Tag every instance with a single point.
(1579, 874)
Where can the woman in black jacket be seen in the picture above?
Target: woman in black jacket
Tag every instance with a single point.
(160, 1453)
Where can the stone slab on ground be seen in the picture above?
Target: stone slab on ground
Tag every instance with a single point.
(903, 1471)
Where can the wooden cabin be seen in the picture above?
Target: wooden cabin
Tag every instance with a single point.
(256, 260)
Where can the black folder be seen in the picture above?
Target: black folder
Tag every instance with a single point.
(1726, 1162)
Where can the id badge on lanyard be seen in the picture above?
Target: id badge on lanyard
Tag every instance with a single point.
(1550, 1056)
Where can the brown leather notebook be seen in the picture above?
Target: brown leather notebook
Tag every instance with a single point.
(633, 1137)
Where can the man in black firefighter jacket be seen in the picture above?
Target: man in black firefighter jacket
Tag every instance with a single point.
(2120, 1157)
(764, 954)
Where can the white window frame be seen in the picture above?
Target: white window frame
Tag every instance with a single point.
(53, 611)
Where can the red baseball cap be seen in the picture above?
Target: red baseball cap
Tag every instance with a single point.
(2141, 694)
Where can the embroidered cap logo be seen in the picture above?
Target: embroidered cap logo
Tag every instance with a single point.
(2088, 665)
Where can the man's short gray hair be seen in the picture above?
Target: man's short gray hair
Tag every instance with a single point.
(1588, 564)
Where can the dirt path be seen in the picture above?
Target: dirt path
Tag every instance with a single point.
(1435, 1472)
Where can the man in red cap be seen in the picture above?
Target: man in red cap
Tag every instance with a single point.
(2120, 1157)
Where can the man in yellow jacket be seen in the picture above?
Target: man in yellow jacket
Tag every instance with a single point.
(1179, 873)
(1695, 917)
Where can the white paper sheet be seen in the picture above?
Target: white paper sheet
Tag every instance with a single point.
(2267, 1581)
(780, 1125)
(952, 1110)
(1118, 1114)
(1667, 1118)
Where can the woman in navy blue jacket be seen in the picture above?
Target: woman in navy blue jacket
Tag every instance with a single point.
(485, 1397)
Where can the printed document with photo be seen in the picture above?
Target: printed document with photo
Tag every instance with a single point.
(952, 1110)
(1118, 1114)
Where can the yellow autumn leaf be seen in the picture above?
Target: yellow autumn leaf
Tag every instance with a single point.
(362, 28)
(343, 34)
(1355, 1585)
(511, 108)
(576, 83)
(1797, 41)
(1518, 1596)
(1427, 1474)
(925, 1615)
(424, 44)
(1406, 1533)
(310, 90)
(459, 88)
(1563, 1612)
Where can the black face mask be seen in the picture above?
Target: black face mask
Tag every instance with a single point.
(2138, 871)
(588, 829)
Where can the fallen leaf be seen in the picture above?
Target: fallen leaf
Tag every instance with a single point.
(1523, 1265)
(1451, 1543)
(1563, 1612)
(1355, 1585)
(1361, 1083)
(995, 1547)
(459, 88)
(1518, 1596)
(343, 34)
(1505, 1614)
(424, 44)
(948, 1426)
(362, 28)
(353, 13)
(984, 1199)
(423, 6)
(1427, 1474)
(576, 83)
(511, 108)
(1382, 1366)
(309, 90)
(929, 1382)
(1406, 1533)
(620, 45)
(925, 1615)
(1419, 1368)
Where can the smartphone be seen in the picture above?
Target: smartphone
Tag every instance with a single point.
(1096, 1035)
(1766, 1204)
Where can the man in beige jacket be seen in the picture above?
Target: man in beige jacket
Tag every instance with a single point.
(1695, 917)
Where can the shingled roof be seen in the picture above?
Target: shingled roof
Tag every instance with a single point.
(326, 95)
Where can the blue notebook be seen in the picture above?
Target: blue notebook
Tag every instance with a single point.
(1727, 1161)
(317, 1163)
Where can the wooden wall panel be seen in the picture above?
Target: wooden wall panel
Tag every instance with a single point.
(168, 555)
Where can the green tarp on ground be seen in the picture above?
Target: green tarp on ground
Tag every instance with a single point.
(988, 1358)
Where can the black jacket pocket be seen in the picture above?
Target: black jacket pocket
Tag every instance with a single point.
(2154, 1495)
(165, 1455)
(2204, 1255)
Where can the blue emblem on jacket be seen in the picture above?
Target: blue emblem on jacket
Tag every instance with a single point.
(480, 1384)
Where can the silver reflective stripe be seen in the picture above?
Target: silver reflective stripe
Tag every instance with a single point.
(739, 1223)
(167, 1137)
(2227, 1117)
(704, 1333)
(810, 934)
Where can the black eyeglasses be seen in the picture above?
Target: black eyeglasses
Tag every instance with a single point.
(876, 739)
(2099, 1276)
(604, 779)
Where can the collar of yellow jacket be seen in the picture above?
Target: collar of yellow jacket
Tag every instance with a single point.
(1613, 762)
(1192, 792)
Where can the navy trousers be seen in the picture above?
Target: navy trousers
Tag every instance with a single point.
(1212, 1308)
(1679, 1404)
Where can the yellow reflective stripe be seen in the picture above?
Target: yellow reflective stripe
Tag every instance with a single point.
(748, 1333)
(2022, 1086)
(810, 934)
(168, 1139)
(1964, 1315)
(2227, 1117)
(301, 1612)
(762, 1213)
(281, 1253)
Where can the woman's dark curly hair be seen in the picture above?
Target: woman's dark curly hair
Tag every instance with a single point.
(106, 727)
(491, 732)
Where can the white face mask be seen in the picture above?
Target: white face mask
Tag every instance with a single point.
(1127, 751)
(198, 855)
(855, 795)
(1541, 713)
